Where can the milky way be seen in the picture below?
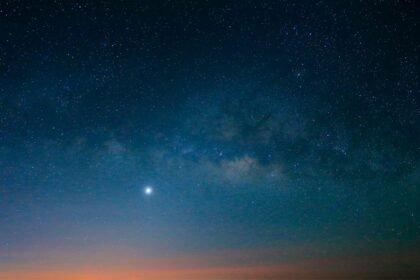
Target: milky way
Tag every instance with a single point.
(209, 140)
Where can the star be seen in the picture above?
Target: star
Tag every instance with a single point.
(148, 190)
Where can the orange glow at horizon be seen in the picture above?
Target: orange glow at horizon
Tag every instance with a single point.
(190, 267)
(219, 273)
(305, 270)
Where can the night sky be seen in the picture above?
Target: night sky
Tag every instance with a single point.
(209, 140)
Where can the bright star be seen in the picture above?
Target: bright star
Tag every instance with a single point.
(148, 190)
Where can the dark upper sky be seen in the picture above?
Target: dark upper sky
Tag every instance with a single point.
(278, 138)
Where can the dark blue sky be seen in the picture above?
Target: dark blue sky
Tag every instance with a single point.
(275, 134)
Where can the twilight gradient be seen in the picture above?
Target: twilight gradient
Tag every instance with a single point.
(209, 140)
